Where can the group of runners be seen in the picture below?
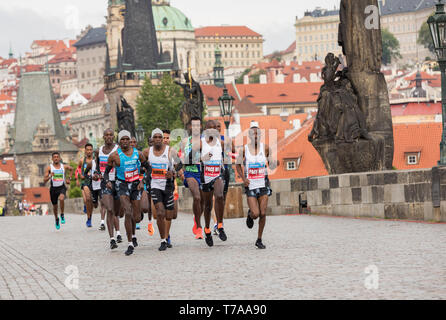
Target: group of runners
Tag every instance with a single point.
(128, 183)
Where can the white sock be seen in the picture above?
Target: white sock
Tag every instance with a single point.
(112, 238)
(130, 244)
(133, 237)
(118, 233)
(102, 221)
(163, 240)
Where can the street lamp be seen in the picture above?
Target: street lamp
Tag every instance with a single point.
(437, 27)
(226, 105)
(140, 134)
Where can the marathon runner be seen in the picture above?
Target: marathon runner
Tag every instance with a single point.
(212, 180)
(127, 162)
(190, 173)
(56, 172)
(256, 158)
(161, 157)
(146, 198)
(109, 197)
(86, 179)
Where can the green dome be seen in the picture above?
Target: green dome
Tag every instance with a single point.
(166, 18)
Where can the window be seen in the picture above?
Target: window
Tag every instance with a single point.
(41, 169)
(291, 165)
(412, 159)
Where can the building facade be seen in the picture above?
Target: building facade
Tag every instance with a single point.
(239, 45)
(61, 68)
(91, 55)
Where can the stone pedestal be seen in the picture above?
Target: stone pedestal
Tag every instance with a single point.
(234, 203)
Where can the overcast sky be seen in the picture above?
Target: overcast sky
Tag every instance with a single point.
(22, 21)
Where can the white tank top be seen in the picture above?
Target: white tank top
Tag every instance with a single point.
(58, 179)
(160, 166)
(103, 160)
(212, 168)
(255, 168)
(96, 185)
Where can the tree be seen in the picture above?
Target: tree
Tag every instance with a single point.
(159, 106)
(276, 55)
(425, 38)
(391, 47)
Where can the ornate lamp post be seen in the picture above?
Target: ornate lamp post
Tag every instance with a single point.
(226, 106)
(140, 135)
(437, 26)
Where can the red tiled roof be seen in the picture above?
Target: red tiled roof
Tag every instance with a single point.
(100, 96)
(410, 137)
(212, 93)
(9, 167)
(247, 107)
(277, 93)
(4, 97)
(226, 31)
(63, 56)
(37, 195)
(411, 109)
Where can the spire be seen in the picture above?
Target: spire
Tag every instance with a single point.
(140, 45)
(107, 60)
(161, 49)
(175, 64)
(11, 54)
(219, 77)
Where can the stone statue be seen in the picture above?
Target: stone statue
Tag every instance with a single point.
(194, 104)
(353, 129)
(126, 117)
(339, 117)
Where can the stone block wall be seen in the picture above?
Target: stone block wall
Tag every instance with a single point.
(386, 194)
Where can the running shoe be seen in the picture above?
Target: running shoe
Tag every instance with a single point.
(249, 220)
(85, 208)
(150, 229)
(222, 234)
(57, 224)
(62, 217)
(259, 244)
(102, 227)
(129, 251)
(88, 223)
(169, 244)
(119, 239)
(209, 240)
(194, 228)
(216, 229)
(199, 234)
(163, 246)
(113, 244)
(138, 227)
(135, 242)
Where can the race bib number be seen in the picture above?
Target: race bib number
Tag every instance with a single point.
(58, 177)
(131, 176)
(256, 171)
(159, 171)
(212, 171)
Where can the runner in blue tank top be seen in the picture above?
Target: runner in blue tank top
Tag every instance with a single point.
(127, 162)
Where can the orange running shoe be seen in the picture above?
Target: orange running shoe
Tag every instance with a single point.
(150, 229)
(194, 228)
(199, 234)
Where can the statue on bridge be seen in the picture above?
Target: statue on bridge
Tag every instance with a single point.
(194, 104)
(126, 117)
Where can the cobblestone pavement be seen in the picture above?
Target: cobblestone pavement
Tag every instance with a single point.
(307, 257)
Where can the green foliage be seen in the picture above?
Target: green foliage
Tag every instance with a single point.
(75, 191)
(425, 38)
(391, 47)
(255, 78)
(159, 106)
(240, 79)
(276, 56)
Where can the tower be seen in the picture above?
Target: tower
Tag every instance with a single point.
(219, 77)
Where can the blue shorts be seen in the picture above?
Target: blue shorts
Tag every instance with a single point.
(193, 175)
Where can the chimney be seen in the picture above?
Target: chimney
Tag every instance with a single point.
(296, 78)
(263, 79)
(246, 79)
(296, 124)
(300, 61)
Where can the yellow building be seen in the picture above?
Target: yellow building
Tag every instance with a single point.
(240, 47)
